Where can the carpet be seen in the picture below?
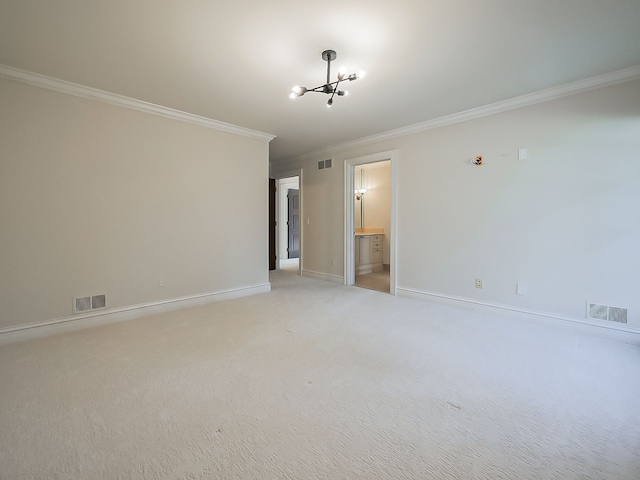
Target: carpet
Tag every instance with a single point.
(315, 380)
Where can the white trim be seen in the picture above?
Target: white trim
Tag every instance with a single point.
(69, 88)
(349, 261)
(553, 93)
(349, 225)
(615, 331)
(321, 276)
(103, 317)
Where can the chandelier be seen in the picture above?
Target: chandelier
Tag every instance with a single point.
(330, 88)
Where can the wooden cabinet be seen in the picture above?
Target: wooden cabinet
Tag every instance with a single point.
(368, 253)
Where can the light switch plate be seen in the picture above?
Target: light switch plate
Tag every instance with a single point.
(522, 154)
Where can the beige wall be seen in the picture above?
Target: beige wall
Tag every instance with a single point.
(98, 199)
(564, 222)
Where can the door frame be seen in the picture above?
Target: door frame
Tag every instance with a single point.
(349, 227)
(279, 240)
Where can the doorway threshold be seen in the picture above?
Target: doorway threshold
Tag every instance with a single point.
(379, 281)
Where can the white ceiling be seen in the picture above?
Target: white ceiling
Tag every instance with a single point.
(236, 61)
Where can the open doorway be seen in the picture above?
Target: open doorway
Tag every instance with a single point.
(372, 222)
(370, 235)
(288, 223)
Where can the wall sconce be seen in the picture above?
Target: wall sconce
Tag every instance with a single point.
(477, 160)
(360, 193)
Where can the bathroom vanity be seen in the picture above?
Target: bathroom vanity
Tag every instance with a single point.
(368, 250)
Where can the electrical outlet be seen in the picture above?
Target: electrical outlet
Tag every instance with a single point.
(478, 283)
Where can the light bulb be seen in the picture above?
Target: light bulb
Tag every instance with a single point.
(329, 103)
(299, 91)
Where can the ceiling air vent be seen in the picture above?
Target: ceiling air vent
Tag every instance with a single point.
(605, 312)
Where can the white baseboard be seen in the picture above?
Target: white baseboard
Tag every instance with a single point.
(103, 317)
(322, 276)
(614, 331)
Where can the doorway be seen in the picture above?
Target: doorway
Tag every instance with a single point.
(289, 228)
(293, 223)
(370, 221)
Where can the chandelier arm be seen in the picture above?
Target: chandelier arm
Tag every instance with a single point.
(319, 89)
(323, 88)
(335, 89)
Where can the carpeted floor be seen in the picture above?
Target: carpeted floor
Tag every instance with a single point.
(320, 381)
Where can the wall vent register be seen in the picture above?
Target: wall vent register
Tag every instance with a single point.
(605, 312)
(86, 304)
(322, 164)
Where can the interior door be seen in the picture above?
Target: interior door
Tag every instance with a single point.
(293, 223)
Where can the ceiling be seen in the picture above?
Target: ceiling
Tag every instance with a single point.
(237, 61)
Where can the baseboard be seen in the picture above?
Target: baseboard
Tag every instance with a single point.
(322, 276)
(614, 331)
(103, 317)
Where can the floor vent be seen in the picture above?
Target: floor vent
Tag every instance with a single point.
(85, 304)
(605, 312)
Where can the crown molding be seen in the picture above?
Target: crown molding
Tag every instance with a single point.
(69, 88)
(600, 81)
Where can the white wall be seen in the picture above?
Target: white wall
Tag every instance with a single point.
(96, 199)
(565, 221)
